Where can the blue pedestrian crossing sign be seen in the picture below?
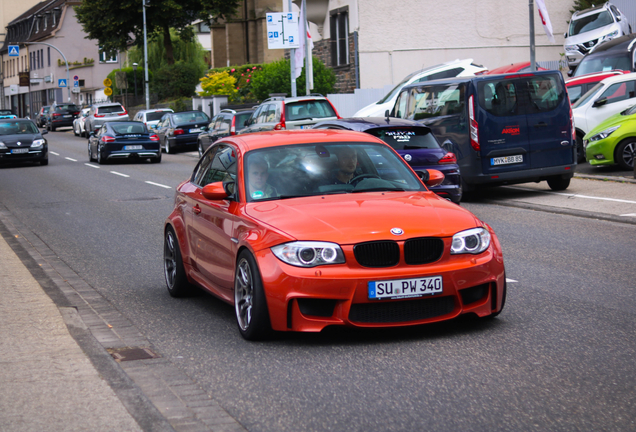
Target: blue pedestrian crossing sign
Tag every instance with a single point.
(61, 83)
(14, 50)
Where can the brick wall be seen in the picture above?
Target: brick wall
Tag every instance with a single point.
(346, 74)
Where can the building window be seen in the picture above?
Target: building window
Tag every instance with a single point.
(204, 28)
(339, 28)
(107, 58)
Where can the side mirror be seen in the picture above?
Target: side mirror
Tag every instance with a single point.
(565, 35)
(570, 73)
(435, 178)
(599, 102)
(214, 191)
(423, 175)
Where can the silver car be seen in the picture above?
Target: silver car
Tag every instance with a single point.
(590, 27)
(281, 113)
(78, 123)
(100, 113)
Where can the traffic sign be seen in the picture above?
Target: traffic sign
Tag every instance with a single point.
(108, 82)
(14, 50)
(61, 82)
(75, 78)
(75, 83)
(282, 30)
(108, 91)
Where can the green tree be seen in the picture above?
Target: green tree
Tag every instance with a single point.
(276, 78)
(118, 24)
(130, 78)
(175, 80)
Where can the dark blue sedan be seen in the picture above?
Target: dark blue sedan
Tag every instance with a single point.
(414, 142)
(123, 140)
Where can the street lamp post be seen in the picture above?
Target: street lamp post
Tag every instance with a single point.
(135, 78)
(146, 3)
(68, 75)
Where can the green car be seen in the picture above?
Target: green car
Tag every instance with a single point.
(613, 141)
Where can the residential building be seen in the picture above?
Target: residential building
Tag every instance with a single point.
(31, 80)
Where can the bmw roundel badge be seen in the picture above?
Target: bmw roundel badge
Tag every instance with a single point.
(408, 157)
(397, 231)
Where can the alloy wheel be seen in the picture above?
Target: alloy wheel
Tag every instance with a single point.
(243, 294)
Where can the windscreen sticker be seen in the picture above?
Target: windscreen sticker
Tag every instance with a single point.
(401, 136)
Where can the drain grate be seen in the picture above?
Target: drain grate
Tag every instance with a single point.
(132, 353)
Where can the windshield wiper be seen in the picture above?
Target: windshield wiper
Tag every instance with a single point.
(379, 189)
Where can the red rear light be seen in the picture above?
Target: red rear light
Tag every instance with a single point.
(178, 132)
(56, 115)
(154, 137)
(107, 139)
(233, 127)
(474, 127)
(281, 125)
(449, 158)
(124, 113)
(100, 115)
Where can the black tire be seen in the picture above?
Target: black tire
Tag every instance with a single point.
(52, 129)
(558, 183)
(200, 146)
(44, 161)
(580, 151)
(250, 305)
(90, 153)
(100, 158)
(625, 153)
(157, 159)
(173, 270)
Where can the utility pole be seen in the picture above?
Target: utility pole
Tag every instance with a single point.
(146, 3)
(533, 63)
(292, 62)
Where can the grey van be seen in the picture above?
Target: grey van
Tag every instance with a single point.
(504, 129)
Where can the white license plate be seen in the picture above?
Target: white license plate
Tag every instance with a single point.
(67, 116)
(195, 130)
(22, 150)
(133, 147)
(405, 288)
(506, 160)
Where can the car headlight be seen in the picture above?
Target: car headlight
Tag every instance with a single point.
(611, 35)
(309, 253)
(472, 241)
(570, 48)
(2, 146)
(602, 135)
(38, 143)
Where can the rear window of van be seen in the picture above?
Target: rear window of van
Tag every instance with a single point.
(507, 97)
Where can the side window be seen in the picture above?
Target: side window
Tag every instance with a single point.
(262, 116)
(225, 120)
(203, 167)
(499, 97)
(222, 168)
(255, 115)
(400, 105)
(619, 92)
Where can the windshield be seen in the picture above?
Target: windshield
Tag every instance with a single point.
(191, 117)
(590, 93)
(603, 63)
(18, 128)
(406, 138)
(590, 22)
(110, 109)
(129, 128)
(322, 169)
(67, 107)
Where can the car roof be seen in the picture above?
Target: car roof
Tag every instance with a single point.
(101, 104)
(513, 67)
(261, 140)
(619, 78)
(459, 80)
(594, 77)
(155, 110)
(364, 123)
(13, 120)
(589, 11)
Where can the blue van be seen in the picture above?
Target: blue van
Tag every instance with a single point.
(504, 129)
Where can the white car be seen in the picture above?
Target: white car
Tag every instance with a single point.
(457, 68)
(609, 97)
(590, 27)
(151, 117)
(78, 123)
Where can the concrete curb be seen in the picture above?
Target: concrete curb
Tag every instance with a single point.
(606, 178)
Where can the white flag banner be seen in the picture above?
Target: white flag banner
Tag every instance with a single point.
(300, 52)
(545, 19)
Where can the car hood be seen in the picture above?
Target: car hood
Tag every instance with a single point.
(23, 139)
(592, 34)
(376, 109)
(350, 219)
(615, 120)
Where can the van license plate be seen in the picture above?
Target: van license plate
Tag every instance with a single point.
(506, 160)
(405, 288)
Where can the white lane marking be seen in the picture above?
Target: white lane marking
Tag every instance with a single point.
(119, 174)
(53, 153)
(158, 184)
(511, 280)
(71, 159)
(91, 165)
(629, 214)
(573, 195)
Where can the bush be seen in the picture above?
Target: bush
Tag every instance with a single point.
(177, 80)
(181, 104)
(130, 77)
(276, 78)
(219, 83)
(243, 76)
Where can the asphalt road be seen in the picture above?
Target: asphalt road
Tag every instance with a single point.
(559, 357)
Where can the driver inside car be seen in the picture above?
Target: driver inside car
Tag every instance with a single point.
(346, 165)
(257, 174)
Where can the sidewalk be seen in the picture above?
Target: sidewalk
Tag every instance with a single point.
(47, 381)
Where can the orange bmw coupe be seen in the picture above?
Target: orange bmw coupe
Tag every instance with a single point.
(301, 230)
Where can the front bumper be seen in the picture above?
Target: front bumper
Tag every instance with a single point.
(601, 152)
(310, 299)
(35, 155)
